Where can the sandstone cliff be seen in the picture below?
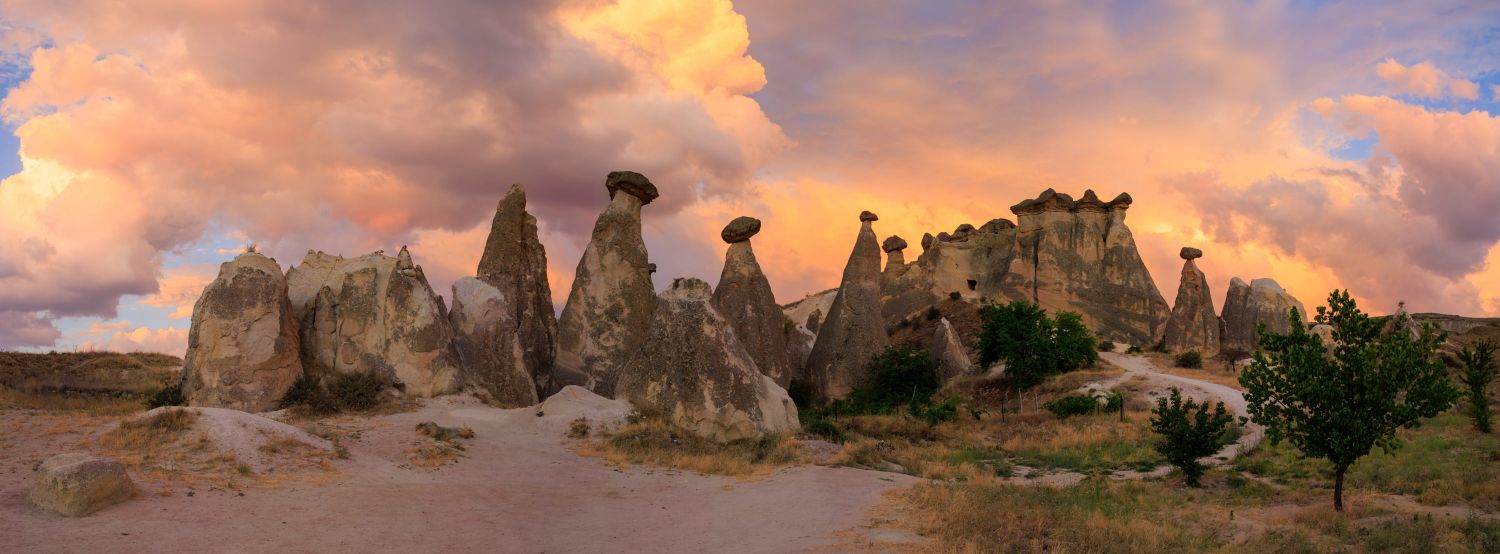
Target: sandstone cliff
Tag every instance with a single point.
(1194, 325)
(853, 331)
(1247, 306)
(515, 264)
(243, 343)
(744, 298)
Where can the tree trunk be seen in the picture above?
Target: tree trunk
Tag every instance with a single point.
(1338, 489)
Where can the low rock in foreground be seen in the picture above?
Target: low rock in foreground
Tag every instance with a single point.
(78, 484)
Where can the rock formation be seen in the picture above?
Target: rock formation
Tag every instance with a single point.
(609, 308)
(853, 331)
(806, 316)
(78, 484)
(895, 261)
(1194, 325)
(947, 351)
(488, 341)
(744, 298)
(374, 315)
(1247, 306)
(515, 264)
(243, 344)
(693, 369)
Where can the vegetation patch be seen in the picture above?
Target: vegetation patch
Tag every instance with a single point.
(653, 441)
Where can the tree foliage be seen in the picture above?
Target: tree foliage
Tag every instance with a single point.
(1338, 403)
(1189, 431)
(1479, 370)
(1033, 345)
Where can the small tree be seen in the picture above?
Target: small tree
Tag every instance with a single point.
(1339, 406)
(1033, 345)
(1189, 431)
(1479, 371)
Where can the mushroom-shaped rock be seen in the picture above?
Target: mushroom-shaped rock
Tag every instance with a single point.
(635, 184)
(927, 240)
(515, 265)
(868, 216)
(609, 307)
(948, 353)
(997, 225)
(740, 230)
(1193, 325)
(243, 344)
(78, 484)
(853, 331)
(1246, 306)
(693, 368)
(745, 299)
(893, 243)
(1190, 253)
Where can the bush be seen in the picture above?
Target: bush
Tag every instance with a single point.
(1133, 349)
(954, 295)
(1161, 346)
(1033, 345)
(343, 392)
(1190, 359)
(170, 395)
(1189, 431)
(802, 393)
(820, 427)
(898, 376)
(933, 313)
(1479, 370)
(1083, 404)
(1106, 346)
(934, 414)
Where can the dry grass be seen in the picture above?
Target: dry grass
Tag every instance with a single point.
(1214, 369)
(149, 433)
(656, 442)
(99, 383)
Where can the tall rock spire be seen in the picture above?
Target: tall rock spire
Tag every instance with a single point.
(1193, 325)
(853, 332)
(609, 308)
(744, 298)
(514, 264)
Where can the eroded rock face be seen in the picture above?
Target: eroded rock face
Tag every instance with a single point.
(694, 369)
(243, 343)
(1246, 306)
(1194, 325)
(609, 308)
(515, 264)
(745, 299)
(853, 331)
(487, 339)
(78, 484)
(375, 315)
(948, 352)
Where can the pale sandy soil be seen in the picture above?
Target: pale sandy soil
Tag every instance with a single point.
(518, 487)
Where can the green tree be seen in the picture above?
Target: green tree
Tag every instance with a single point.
(1189, 431)
(1033, 345)
(1479, 371)
(1340, 405)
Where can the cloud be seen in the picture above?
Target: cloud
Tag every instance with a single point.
(1425, 80)
(348, 127)
(20, 329)
(180, 287)
(141, 339)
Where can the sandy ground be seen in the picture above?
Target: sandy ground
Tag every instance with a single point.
(519, 487)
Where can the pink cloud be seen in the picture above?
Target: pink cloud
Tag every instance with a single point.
(1425, 80)
(141, 339)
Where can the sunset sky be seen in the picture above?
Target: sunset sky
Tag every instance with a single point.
(1325, 144)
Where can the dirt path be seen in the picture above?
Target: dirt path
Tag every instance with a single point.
(520, 488)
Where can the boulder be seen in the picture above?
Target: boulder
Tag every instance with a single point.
(375, 315)
(487, 339)
(243, 343)
(1325, 332)
(609, 308)
(948, 352)
(78, 484)
(1190, 253)
(693, 369)
(1247, 306)
(1193, 325)
(895, 261)
(740, 230)
(853, 331)
(745, 299)
(515, 263)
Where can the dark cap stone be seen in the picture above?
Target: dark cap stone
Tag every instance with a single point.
(631, 182)
(1189, 253)
(868, 216)
(740, 230)
(894, 243)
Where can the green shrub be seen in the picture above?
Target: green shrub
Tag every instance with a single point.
(1161, 346)
(342, 392)
(1106, 346)
(1189, 431)
(307, 393)
(934, 414)
(954, 295)
(170, 395)
(1133, 349)
(898, 376)
(1479, 370)
(802, 393)
(1190, 359)
(1083, 404)
(1033, 345)
(821, 427)
(933, 313)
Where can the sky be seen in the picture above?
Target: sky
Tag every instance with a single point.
(1325, 144)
